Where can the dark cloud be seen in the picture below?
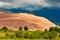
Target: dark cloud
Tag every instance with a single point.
(53, 1)
(6, 0)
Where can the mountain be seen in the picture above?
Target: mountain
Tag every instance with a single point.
(14, 21)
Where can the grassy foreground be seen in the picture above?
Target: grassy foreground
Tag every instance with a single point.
(19, 39)
(25, 39)
(52, 34)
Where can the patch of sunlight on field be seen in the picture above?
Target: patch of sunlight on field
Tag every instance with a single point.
(57, 38)
(2, 35)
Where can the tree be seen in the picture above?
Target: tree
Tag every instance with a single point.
(20, 28)
(4, 28)
(56, 29)
(51, 29)
(36, 34)
(19, 34)
(26, 34)
(10, 35)
(50, 35)
(46, 30)
(46, 35)
(26, 28)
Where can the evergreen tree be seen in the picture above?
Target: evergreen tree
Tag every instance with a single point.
(46, 30)
(26, 28)
(51, 29)
(20, 28)
(4, 28)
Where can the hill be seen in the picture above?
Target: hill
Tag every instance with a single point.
(51, 13)
(14, 21)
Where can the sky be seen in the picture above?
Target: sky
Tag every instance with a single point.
(47, 8)
(36, 4)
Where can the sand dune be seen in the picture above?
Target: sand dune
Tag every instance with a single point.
(14, 21)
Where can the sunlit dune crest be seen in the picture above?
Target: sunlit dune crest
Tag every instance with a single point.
(14, 21)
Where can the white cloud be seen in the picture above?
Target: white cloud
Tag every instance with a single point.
(31, 2)
(27, 4)
(4, 4)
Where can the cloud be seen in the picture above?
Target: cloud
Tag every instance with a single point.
(54, 3)
(7, 0)
(29, 4)
(4, 4)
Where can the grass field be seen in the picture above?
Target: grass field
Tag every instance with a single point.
(25, 39)
(19, 39)
(29, 35)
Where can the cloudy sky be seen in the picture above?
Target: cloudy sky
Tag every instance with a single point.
(29, 4)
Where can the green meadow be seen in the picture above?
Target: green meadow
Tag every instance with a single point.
(52, 34)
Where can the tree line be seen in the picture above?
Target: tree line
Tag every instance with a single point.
(50, 34)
